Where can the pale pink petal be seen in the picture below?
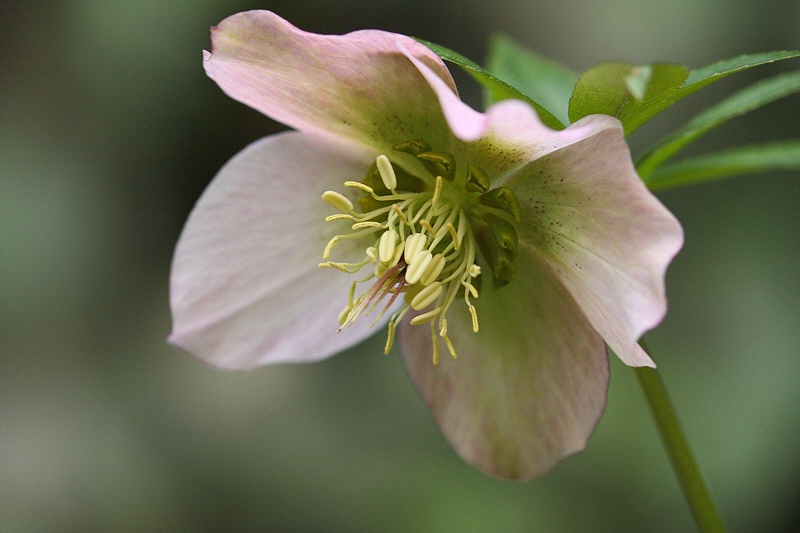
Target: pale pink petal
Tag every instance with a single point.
(245, 286)
(504, 138)
(525, 391)
(358, 85)
(586, 213)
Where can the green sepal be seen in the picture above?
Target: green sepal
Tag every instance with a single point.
(739, 103)
(544, 81)
(502, 198)
(780, 155)
(497, 88)
(612, 89)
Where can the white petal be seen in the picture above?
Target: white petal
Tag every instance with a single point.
(245, 286)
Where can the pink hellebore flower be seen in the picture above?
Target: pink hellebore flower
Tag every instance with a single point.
(520, 249)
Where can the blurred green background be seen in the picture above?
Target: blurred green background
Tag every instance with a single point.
(109, 131)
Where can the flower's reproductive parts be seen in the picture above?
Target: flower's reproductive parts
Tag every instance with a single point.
(427, 235)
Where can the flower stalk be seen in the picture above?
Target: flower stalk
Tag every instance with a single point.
(695, 489)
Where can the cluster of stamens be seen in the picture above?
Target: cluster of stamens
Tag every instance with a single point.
(424, 250)
(427, 236)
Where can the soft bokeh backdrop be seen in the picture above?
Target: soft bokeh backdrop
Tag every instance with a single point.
(109, 131)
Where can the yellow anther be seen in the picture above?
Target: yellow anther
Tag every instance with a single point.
(437, 191)
(470, 288)
(359, 185)
(368, 224)
(400, 214)
(454, 235)
(337, 201)
(474, 314)
(398, 253)
(389, 338)
(433, 270)
(387, 172)
(426, 296)
(450, 346)
(418, 266)
(342, 267)
(339, 216)
(414, 244)
(387, 245)
(329, 247)
(435, 342)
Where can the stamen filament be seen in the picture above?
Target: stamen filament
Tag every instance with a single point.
(369, 190)
(355, 235)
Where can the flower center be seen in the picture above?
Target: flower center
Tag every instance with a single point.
(426, 242)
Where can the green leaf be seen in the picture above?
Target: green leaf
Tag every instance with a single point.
(632, 94)
(782, 155)
(497, 88)
(739, 103)
(701, 77)
(544, 81)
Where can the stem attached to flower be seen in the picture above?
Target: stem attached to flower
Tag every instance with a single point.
(691, 479)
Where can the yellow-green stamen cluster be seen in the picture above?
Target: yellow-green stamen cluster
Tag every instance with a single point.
(424, 246)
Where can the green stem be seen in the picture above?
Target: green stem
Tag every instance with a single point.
(691, 479)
